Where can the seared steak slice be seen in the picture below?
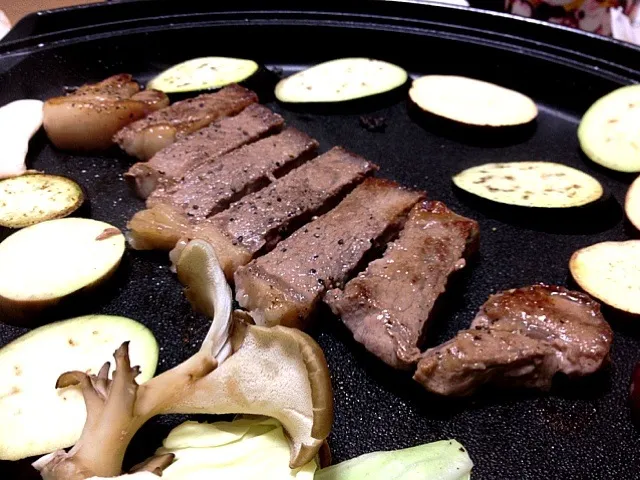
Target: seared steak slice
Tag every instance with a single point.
(570, 322)
(476, 357)
(521, 337)
(147, 136)
(285, 285)
(258, 221)
(387, 306)
(213, 186)
(221, 137)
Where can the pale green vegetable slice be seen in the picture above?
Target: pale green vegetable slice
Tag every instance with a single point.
(37, 418)
(632, 203)
(530, 184)
(443, 460)
(610, 271)
(471, 101)
(46, 262)
(341, 80)
(203, 74)
(245, 448)
(609, 132)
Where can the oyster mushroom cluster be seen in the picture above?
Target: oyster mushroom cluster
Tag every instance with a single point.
(240, 368)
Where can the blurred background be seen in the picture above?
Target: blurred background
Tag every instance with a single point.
(605, 17)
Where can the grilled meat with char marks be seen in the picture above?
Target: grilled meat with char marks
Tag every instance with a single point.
(147, 136)
(285, 285)
(219, 138)
(521, 337)
(212, 187)
(256, 223)
(387, 306)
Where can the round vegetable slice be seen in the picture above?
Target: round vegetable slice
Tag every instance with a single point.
(471, 101)
(44, 263)
(34, 198)
(203, 74)
(632, 203)
(609, 132)
(36, 417)
(530, 184)
(340, 80)
(610, 271)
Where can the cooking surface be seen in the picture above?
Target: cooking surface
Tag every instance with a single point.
(579, 430)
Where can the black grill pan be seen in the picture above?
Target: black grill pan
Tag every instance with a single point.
(579, 430)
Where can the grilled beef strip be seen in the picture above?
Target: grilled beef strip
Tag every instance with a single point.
(219, 138)
(521, 337)
(147, 136)
(213, 186)
(253, 225)
(284, 286)
(387, 306)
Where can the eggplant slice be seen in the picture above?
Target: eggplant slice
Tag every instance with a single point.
(34, 198)
(530, 184)
(472, 102)
(609, 132)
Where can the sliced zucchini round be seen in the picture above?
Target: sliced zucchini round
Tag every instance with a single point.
(46, 262)
(33, 198)
(340, 80)
(530, 184)
(36, 417)
(472, 102)
(609, 132)
(632, 203)
(610, 271)
(203, 74)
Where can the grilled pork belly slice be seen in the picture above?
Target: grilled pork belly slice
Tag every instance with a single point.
(521, 337)
(284, 286)
(387, 306)
(145, 137)
(87, 118)
(213, 186)
(222, 136)
(258, 221)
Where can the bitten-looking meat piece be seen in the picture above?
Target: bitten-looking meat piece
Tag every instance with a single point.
(145, 137)
(521, 337)
(87, 118)
(258, 221)
(284, 286)
(570, 322)
(219, 138)
(476, 357)
(387, 306)
(212, 187)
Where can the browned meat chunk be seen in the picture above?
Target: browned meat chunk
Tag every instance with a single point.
(476, 357)
(257, 222)
(87, 118)
(213, 186)
(284, 286)
(570, 322)
(387, 306)
(221, 137)
(145, 137)
(521, 337)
